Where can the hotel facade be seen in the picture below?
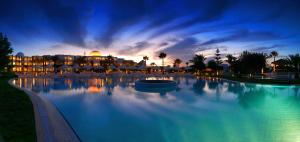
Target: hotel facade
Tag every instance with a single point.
(67, 63)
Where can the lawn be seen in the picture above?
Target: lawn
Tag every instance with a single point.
(16, 114)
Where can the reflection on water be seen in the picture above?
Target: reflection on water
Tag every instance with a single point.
(111, 109)
(161, 91)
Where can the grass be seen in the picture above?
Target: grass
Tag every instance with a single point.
(265, 81)
(16, 114)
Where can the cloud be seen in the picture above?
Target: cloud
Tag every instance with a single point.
(159, 13)
(163, 44)
(245, 36)
(131, 50)
(181, 27)
(205, 11)
(66, 20)
(183, 49)
(123, 14)
(266, 48)
(276, 9)
(47, 16)
(188, 47)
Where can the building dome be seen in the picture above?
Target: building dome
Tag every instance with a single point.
(20, 54)
(95, 53)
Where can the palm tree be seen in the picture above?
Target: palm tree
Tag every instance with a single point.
(145, 58)
(198, 62)
(162, 56)
(177, 62)
(187, 64)
(295, 61)
(231, 60)
(274, 54)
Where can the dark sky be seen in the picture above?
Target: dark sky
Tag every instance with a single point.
(134, 28)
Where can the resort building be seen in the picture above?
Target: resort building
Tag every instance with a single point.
(67, 63)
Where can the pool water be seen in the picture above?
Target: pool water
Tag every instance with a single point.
(198, 110)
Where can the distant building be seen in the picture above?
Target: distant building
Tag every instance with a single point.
(66, 63)
(282, 65)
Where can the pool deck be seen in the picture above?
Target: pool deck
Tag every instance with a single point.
(49, 123)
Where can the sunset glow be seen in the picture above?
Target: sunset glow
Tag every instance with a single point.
(139, 28)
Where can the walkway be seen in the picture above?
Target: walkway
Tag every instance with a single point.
(50, 124)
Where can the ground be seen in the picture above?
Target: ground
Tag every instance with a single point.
(16, 114)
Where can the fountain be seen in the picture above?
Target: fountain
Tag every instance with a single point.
(155, 86)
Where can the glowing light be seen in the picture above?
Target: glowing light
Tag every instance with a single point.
(94, 89)
(95, 53)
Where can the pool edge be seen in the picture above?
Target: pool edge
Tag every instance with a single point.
(50, 124)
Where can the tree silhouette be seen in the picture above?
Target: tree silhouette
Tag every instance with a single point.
(145, 58)
(274, 54)
(213, 65)
(295, 61)
(247, 63)
(110, 59)
(251, 62)
(162, 56)
(218, 57)
(177, 62)
(232, 61)
(5, 51)
(198, 62)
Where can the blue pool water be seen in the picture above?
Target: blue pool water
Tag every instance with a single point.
(211, 110)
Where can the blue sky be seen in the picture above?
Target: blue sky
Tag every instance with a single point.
(135, 28)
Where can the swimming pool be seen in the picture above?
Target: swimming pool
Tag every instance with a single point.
(206, 110)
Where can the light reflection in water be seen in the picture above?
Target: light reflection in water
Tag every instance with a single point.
(110, 109)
